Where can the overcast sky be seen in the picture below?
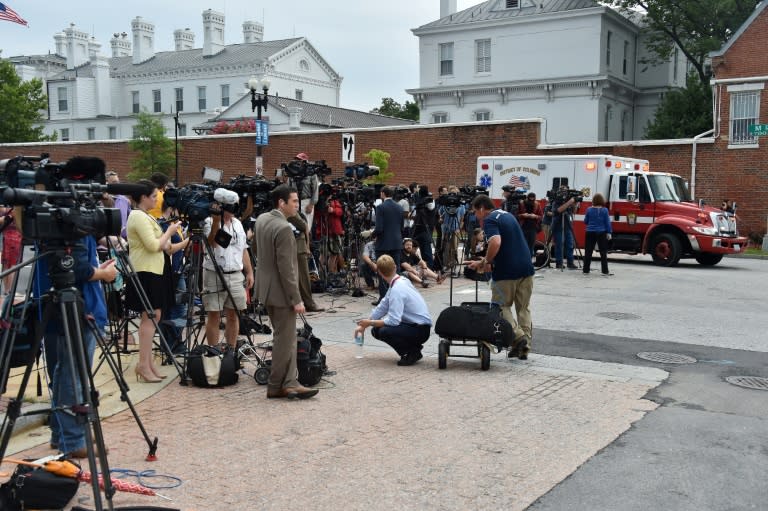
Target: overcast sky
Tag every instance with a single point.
(369, 43)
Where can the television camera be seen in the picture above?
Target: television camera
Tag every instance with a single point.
(515, 194)
(564, 195)
(300, 169)
(361, 171)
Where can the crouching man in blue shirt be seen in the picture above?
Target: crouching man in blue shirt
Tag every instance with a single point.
(402, 318)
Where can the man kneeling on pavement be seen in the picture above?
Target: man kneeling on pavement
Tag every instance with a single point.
(401, 319)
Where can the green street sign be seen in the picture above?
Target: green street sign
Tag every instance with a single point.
(758, 130)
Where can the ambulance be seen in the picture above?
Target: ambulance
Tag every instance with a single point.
(651, 212)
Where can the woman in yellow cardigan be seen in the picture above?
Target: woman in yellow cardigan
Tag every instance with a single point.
(148, 246)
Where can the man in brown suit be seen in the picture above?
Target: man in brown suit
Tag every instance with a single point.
(277, 287)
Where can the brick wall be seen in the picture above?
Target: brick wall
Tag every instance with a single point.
(447, 154)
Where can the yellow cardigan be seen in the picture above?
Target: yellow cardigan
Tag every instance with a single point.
(143, 242)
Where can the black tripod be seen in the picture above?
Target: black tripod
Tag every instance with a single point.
(65, 301)
(566, 218)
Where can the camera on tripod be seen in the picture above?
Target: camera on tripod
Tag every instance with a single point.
(300, 169)
(68, 207)
(361, 171)
(516, 194)
(257, 188)
(565, 194)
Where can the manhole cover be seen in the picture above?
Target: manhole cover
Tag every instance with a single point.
(748, 382)
(666, 358)
(618, 315)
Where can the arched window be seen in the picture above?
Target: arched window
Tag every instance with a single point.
(304, 65)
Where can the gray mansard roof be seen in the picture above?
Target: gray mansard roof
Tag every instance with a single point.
(496, 10)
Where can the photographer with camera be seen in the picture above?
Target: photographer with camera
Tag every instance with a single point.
(330, 230)
(308, 187)
(563, 206)
(529, 215)
(229, 244)
(424, 222)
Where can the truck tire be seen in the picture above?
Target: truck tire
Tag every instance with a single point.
(707, 259)
(666, 249)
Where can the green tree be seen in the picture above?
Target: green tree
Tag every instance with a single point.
(391, 108)
(380, 159)
(155, 151)
(21, 104)
(683, 113)
(697, 27)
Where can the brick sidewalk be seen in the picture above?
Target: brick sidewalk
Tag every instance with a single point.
(377, 436)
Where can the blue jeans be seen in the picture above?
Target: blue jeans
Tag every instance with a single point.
(560, 250)
(66, 430)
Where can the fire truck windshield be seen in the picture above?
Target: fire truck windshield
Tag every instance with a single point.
(668, 188)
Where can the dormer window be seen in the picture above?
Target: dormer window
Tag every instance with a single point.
(513, 4)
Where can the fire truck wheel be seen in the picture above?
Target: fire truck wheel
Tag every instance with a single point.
(706, 259)
(666, 250)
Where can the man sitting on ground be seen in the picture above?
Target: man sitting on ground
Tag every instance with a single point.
(414, 267)
(407, 324)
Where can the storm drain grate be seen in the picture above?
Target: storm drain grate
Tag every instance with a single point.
(618, 315)
(748, 382)
(666, 358)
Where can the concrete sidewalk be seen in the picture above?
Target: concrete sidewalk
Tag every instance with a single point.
(378, 436)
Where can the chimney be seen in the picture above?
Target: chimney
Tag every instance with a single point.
(76, 46)
(121, 46)
(294, 118)
(184, 39)
(213, 32)
(253, 32)
(143, 40)
(61, 43)
(447, 7)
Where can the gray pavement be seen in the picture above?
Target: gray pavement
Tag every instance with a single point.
(579, 425)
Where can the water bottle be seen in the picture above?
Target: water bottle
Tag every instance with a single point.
(359, 340)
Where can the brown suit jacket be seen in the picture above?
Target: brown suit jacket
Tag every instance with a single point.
(277, 281)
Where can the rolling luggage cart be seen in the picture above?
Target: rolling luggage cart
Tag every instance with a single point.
(456, 328)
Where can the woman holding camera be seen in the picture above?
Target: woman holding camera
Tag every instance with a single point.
(149, 246)
(598, 232)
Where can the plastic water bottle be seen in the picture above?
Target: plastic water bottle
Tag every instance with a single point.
(359, 341)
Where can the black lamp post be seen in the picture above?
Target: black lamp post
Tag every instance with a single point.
(259, 100)
(176, 145)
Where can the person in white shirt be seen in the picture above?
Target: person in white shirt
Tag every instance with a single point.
(229, 244)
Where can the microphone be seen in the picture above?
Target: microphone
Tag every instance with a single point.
(224, 196)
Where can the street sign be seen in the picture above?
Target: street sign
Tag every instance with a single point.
(262, 133)
(758, 130)
(348, 148)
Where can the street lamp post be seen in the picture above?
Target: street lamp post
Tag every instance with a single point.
(176, 144)
(259, 100)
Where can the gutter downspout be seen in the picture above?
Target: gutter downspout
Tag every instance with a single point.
(693, 161)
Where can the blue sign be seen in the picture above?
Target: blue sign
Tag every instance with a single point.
(262, 133)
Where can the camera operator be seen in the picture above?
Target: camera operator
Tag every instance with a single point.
(529, 215)
(424, 222)
(227, 238)
(67, 432)
(389, 238)
(437, 264)
(329, 230)
(302, 257)
(451, 213)
(12, 247)
(308, 188)
(562, 230)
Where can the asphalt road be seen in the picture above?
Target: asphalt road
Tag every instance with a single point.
(706, 446)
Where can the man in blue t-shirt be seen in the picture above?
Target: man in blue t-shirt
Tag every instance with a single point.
(512, 271)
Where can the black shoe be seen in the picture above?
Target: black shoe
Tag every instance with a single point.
(410, 358)
(573, 267)
(513, 352)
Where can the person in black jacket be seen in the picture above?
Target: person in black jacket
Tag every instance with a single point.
(389, 239)
(424, 222)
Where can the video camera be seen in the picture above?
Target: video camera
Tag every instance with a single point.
(257, 188)
(515, 194)
(68, 207)
(564, 195)
(300, 169)
(361, 171)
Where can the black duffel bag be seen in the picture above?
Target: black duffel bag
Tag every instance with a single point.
(310, 361)
(208, 366)
(36, 488)
(475, 321)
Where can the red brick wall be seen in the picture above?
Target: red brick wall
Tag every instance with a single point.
(447, 154)
(746, 56)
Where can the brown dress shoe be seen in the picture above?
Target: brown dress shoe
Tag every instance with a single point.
(315, 308)
(291, 393)
(83, 453)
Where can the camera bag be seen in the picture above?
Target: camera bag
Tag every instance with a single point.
(36, 488)
(209, 366)
(310, 361)
(477, 321)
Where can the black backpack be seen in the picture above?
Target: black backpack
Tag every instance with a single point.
(310, 361)
(209, 366)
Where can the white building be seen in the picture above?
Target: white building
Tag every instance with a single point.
(94, 97)
(575, 63)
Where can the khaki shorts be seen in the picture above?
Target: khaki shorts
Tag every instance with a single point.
(215, 295)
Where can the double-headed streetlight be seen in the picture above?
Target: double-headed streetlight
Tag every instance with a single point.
(259, 100)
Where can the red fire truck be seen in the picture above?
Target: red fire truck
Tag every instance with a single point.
(651, 212)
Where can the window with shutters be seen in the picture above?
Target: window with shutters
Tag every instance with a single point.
(483, 56)
(446, 59)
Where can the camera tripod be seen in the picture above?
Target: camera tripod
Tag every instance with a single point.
(65, 302)
(560, 247)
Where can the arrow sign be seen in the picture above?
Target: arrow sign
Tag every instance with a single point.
(348, 148)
